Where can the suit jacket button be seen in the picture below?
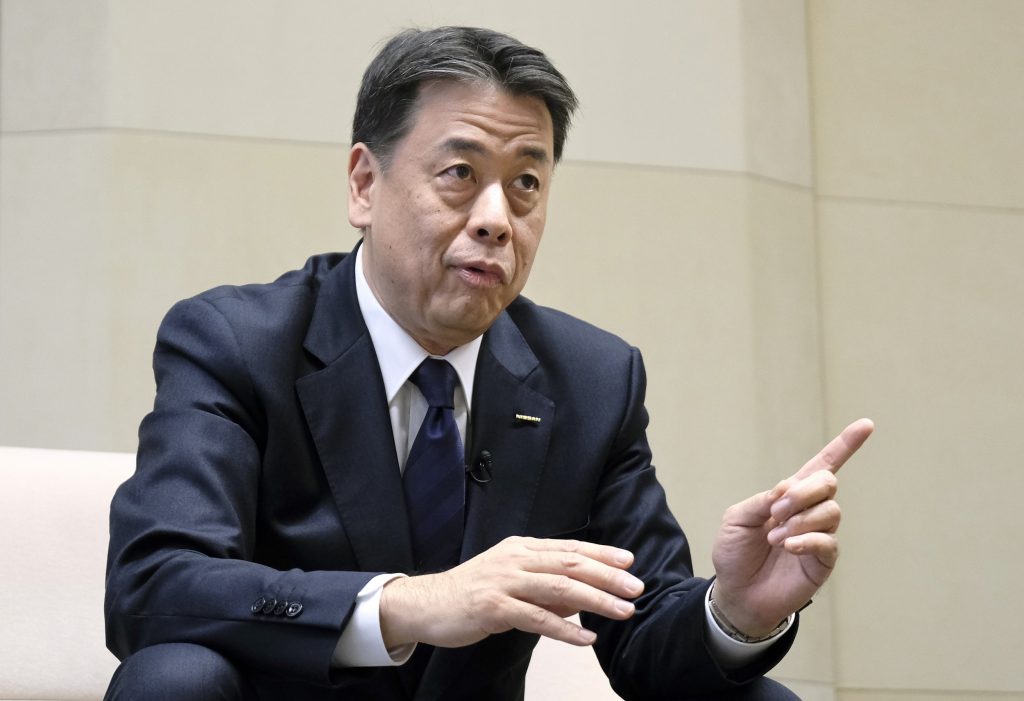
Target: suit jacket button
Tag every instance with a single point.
(281, 607)
(268, 607)
(257, 606)
(293, 610)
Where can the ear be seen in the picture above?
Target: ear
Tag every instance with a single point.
(363, 172)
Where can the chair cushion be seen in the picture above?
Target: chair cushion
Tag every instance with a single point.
(54, 510)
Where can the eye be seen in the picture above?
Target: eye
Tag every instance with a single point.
(461, 171)
(526, 181)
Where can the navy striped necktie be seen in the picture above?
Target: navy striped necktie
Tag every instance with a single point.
(434, 478)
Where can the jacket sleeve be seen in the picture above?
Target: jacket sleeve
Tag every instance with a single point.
(183, 527)
(661, 652)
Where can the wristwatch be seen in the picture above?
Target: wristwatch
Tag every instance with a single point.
(734, 632)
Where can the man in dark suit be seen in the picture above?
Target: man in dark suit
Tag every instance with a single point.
(264, 547)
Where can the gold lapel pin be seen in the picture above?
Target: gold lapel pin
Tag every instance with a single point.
(528, 419)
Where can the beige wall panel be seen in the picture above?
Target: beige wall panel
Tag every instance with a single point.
(172, 69)
(53, 64)
(924, 334)
(920, 99)
(784, 312)
(662, 85)
(265, 69)
(56, 305)
(194, 213)
(93, 260)
(776, 107)
(702, 83)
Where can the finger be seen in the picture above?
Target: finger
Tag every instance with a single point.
(609, 555)
(536, 619)
(839, 449)
(755, 511)
(561, 593)
(749, 513)
(562, 611)
(824, 547)
(579, 568)
(803, 494)
(820, 518)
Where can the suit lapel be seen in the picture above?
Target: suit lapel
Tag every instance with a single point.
(518, 448)
(347, 414)
(501, 507)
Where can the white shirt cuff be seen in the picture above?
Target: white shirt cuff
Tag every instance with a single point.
(362, 643)
(729, 652)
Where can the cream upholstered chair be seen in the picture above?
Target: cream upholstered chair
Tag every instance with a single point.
(54, 508)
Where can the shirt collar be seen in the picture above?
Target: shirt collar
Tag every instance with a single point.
(398, 354)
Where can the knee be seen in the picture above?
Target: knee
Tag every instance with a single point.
(177, 672)
(763, 689)
(760, 689)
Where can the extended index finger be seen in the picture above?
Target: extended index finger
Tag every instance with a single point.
(839, 449)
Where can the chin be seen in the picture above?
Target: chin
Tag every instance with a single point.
(463, 330)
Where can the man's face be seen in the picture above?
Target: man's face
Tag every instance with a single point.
(452, 226)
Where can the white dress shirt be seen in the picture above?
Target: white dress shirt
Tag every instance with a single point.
(362, 643)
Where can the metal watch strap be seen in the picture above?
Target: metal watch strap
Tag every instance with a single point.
(734, 632)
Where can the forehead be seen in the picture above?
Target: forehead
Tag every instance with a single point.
(453, 111)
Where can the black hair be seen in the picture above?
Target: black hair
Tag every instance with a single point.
(390, 86)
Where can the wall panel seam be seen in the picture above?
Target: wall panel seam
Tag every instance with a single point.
(694, 170)
(798, 187)
(915, 691)
(206, 136)
(920, 204)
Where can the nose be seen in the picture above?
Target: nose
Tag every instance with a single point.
(489, 219)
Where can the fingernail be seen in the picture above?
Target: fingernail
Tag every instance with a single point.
(623, 557)
(632, 584)
(777, 535)
(624, 606)
(587, 636)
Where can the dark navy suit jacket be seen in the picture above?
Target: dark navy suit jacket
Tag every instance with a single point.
(267, 493)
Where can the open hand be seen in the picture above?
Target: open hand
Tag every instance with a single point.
(524, 583)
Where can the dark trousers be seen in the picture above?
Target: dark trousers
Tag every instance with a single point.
(186, 672)
(178, 672)
(762, 689)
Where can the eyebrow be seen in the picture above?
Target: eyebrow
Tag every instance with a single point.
(459, 145)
